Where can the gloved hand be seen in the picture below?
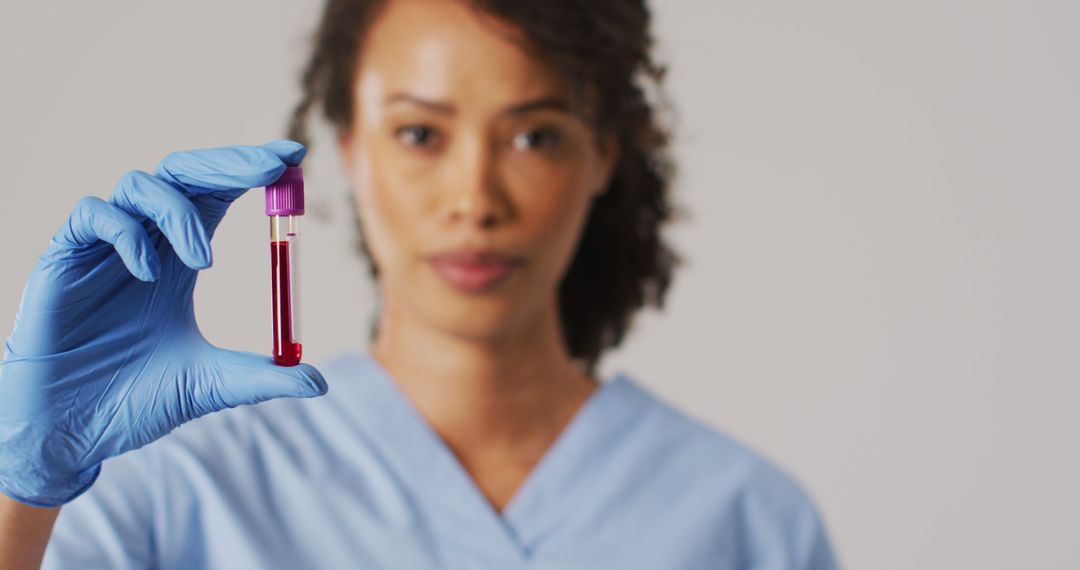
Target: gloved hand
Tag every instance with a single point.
(105, 355)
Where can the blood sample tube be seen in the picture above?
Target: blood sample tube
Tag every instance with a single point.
(285, 205)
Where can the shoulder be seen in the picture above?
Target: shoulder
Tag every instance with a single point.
(702, 447)
(738, 488)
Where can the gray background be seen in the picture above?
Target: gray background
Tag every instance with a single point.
(882, 277)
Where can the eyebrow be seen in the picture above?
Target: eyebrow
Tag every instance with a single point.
(518, 109)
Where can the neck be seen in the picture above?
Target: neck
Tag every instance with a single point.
(511, 390)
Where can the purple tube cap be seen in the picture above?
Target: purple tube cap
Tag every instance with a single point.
(285, 196)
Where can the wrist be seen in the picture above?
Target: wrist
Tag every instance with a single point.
(24, 533)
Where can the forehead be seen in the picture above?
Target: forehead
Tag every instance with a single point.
(447, 49)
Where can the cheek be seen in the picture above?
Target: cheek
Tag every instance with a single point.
(555, 215)
(385, 212)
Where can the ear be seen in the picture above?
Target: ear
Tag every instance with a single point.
(609, 158)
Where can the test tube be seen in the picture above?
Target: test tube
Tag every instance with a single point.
(285, 205)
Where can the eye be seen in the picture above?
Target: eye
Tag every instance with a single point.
(416, 135)
(540, 138)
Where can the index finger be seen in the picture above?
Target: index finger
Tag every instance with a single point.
(231, 167)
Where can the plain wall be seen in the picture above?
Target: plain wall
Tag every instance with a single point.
(881, 283)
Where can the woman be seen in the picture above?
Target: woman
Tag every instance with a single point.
(511, 184)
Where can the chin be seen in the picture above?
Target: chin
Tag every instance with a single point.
(480, 318)
(497, 314)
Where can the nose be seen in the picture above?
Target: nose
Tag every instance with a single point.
(476, 195)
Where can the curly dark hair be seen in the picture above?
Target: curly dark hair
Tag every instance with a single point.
(602, 48)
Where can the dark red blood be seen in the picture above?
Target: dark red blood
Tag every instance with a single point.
(286, 351)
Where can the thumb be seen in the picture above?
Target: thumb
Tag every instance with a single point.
(249, 378)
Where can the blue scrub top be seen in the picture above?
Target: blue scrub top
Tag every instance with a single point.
(358, 479)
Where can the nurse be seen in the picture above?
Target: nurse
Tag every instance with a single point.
(511, 182)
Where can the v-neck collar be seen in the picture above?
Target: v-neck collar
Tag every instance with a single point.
(441, 483)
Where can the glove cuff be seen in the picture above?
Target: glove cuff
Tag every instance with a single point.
(58, 496)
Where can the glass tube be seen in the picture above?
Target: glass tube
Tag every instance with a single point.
(285, 283)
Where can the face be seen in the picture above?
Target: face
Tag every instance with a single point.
(473, 169)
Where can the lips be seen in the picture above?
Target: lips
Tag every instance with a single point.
(473, 271)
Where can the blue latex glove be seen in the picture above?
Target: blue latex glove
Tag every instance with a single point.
(105, 355)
